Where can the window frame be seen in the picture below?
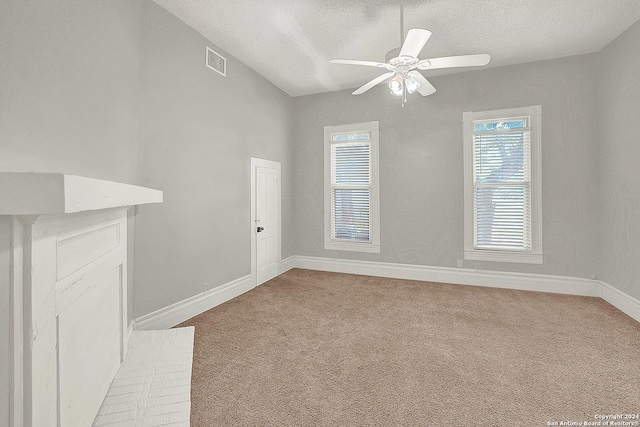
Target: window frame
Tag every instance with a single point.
(330, 243)
(534, 256)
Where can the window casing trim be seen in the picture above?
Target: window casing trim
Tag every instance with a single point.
(373, 245)
(534, 256)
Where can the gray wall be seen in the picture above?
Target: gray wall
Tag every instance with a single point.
(89, 89)
(421, 170)
(619, 161)
(69, 75)
(197, 132)
(68, 98)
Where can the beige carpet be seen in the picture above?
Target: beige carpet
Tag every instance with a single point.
(323, 349)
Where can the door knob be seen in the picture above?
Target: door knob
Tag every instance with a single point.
(260, 229)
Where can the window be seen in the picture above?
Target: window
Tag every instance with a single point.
(502, 185)
(351, 213)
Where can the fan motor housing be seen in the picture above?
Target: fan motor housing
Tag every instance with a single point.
(392, 57)
(392, 54)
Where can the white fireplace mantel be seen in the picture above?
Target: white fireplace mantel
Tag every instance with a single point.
(67, 237)
(56, 193)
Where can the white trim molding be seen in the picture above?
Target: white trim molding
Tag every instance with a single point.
(533, 116)
(256, 163)
(130, 329)
(330, 242)
(17, 329)
(620, 300)
(503, 256)
(336, 245)
(177, 313)
(26, 193)
(494, 279)
(459, 276)
(286, 264)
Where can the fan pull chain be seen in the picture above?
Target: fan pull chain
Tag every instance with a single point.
(404, 91)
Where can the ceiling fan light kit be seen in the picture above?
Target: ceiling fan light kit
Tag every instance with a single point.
(397, 85)
(403, 64)
(411, 84)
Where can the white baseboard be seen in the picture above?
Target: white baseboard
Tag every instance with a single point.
(495, 279)
(460, 276)
(177, 313)
(623, 302)
(286, 264)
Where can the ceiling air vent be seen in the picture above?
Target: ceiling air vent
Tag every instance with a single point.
(216, 62)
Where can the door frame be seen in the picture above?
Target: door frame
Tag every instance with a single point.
(256, 162)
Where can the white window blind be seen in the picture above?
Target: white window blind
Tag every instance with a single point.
(502, 185)
(351, 187)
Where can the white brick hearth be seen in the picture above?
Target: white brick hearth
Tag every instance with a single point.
(153, 385)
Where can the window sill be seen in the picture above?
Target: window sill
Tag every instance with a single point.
(503, 256)
(352, 246)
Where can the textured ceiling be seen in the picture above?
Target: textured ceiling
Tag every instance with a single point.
(291, 42)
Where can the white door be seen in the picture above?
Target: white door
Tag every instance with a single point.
(267, 219)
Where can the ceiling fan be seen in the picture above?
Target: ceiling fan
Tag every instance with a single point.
(403, 64)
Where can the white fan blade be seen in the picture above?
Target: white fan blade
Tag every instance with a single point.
(415, 41)
(355, 62)
(425, 88)
(372, 83)
(454, 61)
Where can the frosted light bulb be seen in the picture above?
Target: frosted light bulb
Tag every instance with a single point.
(412, 85)
(396, 86)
